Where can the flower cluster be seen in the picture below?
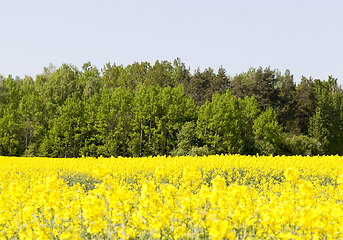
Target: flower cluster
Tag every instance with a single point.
(214, 197)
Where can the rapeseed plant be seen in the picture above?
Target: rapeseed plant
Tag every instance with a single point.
(214, 197)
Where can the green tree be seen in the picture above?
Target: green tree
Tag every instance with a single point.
(181, 75)
(159, 113)
(90, 80)
(186, 139)
(259, 83)
(175, 110)
(221, 82)
(249, 111)
(54, 88)
(200, 85)
(113, 76)
(219, 123)
(114, 122)
(65, 137)
(267, 132)
(30, 112)
(145, 110)
(326, 123)
(160, 74)
(188, 142)
(287, 106)
(239, 84)
(10, 127)
(89, 131)
(136, 75)
(302, 145)
(306, 104)
(62, 84)
(10, 133)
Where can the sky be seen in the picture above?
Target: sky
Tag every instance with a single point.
(304, 36)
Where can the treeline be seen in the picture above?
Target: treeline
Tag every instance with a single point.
(163, 109)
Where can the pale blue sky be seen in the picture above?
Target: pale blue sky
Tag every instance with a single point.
(305, 37)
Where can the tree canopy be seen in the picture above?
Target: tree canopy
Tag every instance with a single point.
(146, 109)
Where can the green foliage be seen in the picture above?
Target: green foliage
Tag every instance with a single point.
(90, 81)
(267, 132)
(10, 125)
(148, 109)
(88, 129)
(306, 104)
(265, 148)
(250, 146)
(219, 124)
(63, 83)
(198, 151)
(249, 111)
(30, 151)
(326, 123)
(114, 122)
(66, 135)
(188, 143)
(30, 112)
(159, 114)
(301, 145)
(286, 107)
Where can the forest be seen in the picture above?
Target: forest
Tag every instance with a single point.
(145, 109)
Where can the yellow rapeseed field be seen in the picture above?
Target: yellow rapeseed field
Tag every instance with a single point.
(214, 197)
